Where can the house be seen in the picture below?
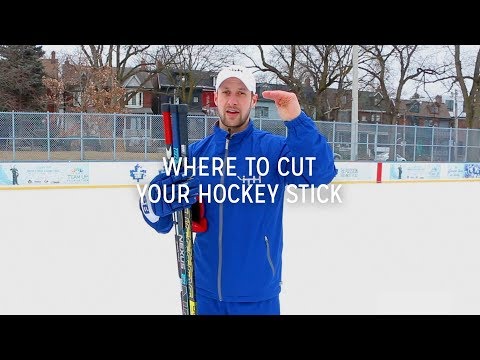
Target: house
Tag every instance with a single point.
(423, 112)
(142, 85)
(192, 87)
(371, 106)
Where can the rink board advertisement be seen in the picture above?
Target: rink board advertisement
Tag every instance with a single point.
(352, 171)
(78, 173)
(412, 171)
(45, 173)
(430, 171)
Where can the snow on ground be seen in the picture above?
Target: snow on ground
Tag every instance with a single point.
(397, 248)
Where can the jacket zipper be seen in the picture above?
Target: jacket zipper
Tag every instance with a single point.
(269, 257)
(220, 223)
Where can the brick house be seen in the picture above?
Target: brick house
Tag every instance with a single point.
(420, 112)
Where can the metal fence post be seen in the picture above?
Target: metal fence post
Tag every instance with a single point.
(333, 134)
(206, 124)
(431, 154)
(114, 137)
(414, 142)
(450, 146)
(13, 135)
(81, 136)
(48, 135)
(395, 147)
(145, 140)
(466, 147)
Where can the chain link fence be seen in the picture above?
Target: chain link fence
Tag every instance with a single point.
(134, 137)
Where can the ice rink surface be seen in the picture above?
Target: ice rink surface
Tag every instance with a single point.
(394, 248)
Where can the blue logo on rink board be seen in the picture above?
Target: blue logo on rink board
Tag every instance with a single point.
(138, 173)
(472, 170)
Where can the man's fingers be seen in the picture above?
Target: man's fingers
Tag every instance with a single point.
(272, 94)
(281, 98)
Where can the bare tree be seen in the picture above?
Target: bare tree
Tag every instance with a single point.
(87, 89)
(190, 65)
(307, 70)
(184, 65)
(389, 68)
(458, 66)
(471, 97)
(126, 61)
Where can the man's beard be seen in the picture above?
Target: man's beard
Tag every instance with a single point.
(238, 124)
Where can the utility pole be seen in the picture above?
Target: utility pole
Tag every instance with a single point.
(354, 128)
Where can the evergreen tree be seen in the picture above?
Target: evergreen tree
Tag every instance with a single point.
(21, 73)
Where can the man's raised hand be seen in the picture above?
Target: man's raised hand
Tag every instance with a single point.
(287, 103)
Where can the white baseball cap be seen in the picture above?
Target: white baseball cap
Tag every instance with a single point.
(239, 72)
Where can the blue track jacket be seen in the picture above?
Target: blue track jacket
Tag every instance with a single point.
(239, 257)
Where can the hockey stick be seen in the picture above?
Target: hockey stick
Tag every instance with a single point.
(183, 127)
(170, 120)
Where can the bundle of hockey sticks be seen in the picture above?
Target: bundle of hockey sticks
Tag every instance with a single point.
(176, 141)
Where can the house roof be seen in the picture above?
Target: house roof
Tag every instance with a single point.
(142, 76)
(262, 86)
(431, 109)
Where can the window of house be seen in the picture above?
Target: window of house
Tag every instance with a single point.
(364, 118)
(415, 108)
(376, 118)
(261, 112)
(449, 104)
(195, 99)
(136, 100)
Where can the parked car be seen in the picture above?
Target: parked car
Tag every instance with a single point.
(382, 156)
(386, 156)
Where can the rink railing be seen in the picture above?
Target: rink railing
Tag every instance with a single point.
(140, 137)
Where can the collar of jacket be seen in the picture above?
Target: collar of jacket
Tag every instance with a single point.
(220, 134)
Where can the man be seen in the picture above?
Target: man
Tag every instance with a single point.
(238, 259)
